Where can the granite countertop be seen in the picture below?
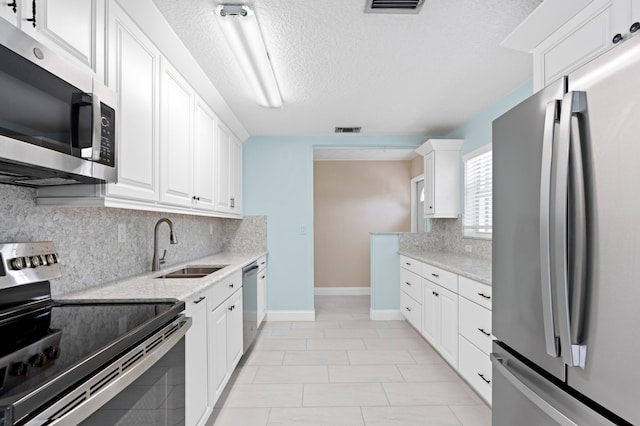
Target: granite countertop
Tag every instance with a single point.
(466, 266)
(146, 287)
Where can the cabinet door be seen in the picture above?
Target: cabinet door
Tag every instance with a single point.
(176, 157)
(429, 188)
(223, 169)
(234, 330)
(449, 326)
(7, 12)
(204, 137)
(431, 314)
(133, 73)
(236, 175)
(218, 350)
(196, 371)
(68, 26)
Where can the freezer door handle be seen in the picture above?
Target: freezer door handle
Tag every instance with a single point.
(569, 231)
(552, 115)
(501, 366)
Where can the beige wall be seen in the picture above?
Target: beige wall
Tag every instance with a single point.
(351, 200)
(417, 166)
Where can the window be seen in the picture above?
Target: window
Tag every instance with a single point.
(478, 199)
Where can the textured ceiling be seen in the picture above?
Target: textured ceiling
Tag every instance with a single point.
(363, 154)
(337, 66)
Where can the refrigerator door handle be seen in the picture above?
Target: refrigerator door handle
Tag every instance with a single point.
(500, 364)
(570, 241)
(550, 120)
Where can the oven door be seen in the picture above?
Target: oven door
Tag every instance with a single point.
(146, 386)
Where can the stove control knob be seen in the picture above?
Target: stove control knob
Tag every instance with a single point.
(37, 360)
(19, 369)
(18, 263)
(52, 352)
(35, 261)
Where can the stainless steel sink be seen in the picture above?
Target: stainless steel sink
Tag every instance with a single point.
(193, 271)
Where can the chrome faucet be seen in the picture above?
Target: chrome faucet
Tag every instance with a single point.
(156, 262)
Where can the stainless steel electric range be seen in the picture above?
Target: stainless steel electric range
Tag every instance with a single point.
(84, 362)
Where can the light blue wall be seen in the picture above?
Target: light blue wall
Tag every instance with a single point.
(385, 264)
(477, 132)
(278, 183)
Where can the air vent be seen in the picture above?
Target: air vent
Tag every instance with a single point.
(348, 129)
(393, 6)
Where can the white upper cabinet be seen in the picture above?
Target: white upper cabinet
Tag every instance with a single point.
(10, 11)
(562, 35)
(441, 177)
(74, 28)
(228, 194)
(134, 73)
(204, 137)
(176, 153)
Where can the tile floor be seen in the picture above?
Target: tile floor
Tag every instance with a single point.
(344, 369)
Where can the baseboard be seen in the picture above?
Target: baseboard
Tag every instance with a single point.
(386, 315)
(342, 291)
(291, 315)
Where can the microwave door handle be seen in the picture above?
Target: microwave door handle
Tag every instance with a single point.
(96, 140)
(573, 103)
(551, 117)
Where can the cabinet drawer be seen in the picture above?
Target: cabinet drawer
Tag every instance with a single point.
(443, 278)
(411, 310)
(475, 367)
(475, 324)
(262, 263)
(221, 291)
(476, 292)
(411, 264)
(411, 284)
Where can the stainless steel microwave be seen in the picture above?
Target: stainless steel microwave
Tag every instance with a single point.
(57, 123)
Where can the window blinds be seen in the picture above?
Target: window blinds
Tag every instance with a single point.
(478, 198)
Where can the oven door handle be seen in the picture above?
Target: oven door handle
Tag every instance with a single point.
(93, 393)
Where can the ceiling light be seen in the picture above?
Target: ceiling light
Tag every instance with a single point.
(240, 27)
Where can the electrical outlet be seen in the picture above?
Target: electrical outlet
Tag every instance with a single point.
(303, 231)
(468, 248)
(122, 233)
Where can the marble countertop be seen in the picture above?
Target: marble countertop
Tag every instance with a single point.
(466, 266)
(147, 287)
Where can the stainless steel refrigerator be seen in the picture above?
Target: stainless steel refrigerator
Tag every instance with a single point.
(566, 249)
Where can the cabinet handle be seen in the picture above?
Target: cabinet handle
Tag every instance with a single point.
(33, 13)
(483, 331)
(232, 202)
(232, 307)
(407, 263)
(407, 283)
(262, 263)
(435, 294)
(14, 6)
(484, 295)
(617, 38)
(262, 277)
(487, 381)
(231, 285)
(435, 275)
(199, 300)
(195, 198)
(634, 27)
(408, 309)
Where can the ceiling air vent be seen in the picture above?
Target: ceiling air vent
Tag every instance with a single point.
(348, 129)
(393, 6)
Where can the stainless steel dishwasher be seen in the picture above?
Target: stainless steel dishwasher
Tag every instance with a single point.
(250, 304)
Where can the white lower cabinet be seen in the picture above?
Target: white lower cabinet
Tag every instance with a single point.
(262, 289)
(453, 315)
(440, 320)
(196, 365)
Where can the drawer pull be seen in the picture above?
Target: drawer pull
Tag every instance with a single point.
(484, 295)
(199, 300)
(231, 285)
(407, 283)
(262, 277)
(435, 294)
(435, 275)
(232, 307)
(408, 309)
(487, 381)
(407, 263)
(483, 331)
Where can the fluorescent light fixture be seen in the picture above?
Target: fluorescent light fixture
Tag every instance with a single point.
(240, 27)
